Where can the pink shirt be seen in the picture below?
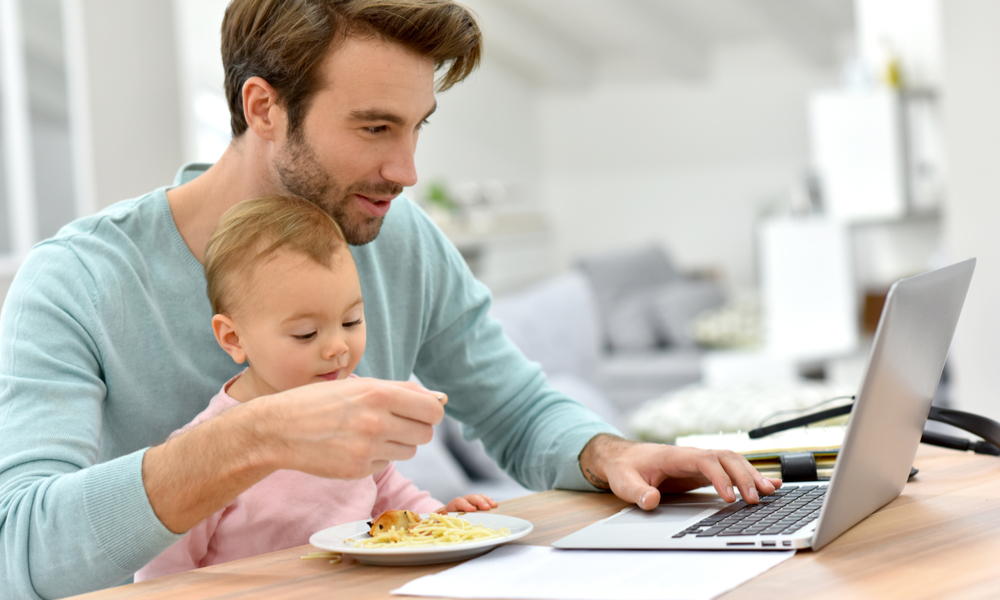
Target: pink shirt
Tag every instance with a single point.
(282, 511)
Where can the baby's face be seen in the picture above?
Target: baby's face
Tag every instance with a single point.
(305, 322)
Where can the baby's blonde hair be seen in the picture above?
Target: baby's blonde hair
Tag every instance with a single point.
(255, 230)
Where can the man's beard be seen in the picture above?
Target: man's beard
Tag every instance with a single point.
(300, 174)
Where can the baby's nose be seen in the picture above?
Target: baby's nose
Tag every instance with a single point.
(335, 348)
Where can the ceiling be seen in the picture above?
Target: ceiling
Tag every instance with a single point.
(551, 43)
(570, 43)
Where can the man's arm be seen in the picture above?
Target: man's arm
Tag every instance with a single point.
(340, 429)
(532, 431)
(638, 472)
(69, 523)
(78, 510)
(538, 435)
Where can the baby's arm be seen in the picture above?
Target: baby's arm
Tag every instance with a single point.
(469, 503)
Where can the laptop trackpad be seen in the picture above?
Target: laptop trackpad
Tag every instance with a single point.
(636, 529)
(669, 513)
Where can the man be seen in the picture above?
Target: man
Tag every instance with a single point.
(107, 343)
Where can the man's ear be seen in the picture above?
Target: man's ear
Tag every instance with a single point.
(228, 338)
(260, 108)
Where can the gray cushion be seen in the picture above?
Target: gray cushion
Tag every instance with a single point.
(620, 282)
(675, 306)
(591, 397)
(555, 324)
(471, 454)
(632, 324)
(629, 379)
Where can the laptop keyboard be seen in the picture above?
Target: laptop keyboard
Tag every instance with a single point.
(785, 511)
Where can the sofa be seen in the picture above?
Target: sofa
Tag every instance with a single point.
(612, 332)
(619, 323)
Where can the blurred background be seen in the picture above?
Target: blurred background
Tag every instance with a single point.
(664, 195)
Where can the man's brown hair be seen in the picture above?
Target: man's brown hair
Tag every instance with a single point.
(285, 41)
(253, 231)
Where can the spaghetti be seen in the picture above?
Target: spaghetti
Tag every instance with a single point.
(435, 530)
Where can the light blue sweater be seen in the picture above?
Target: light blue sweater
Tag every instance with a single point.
(107, 347)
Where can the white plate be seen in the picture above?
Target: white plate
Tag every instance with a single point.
(335, 539)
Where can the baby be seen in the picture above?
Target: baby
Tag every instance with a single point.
(287, 299)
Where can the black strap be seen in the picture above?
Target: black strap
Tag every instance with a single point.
(988, 429)
(800, 421)
(798, 466)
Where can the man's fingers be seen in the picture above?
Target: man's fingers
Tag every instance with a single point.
(379, 465)
(421, 406)
(711, 467)
(764, 485)
(406, 432)
(633, 488)
(416, 387)
(739, 471)
(365, 422)
(391, 451)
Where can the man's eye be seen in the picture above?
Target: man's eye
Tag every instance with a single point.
(353, 324)
(423, 124)
(376, 130)
(305, 336)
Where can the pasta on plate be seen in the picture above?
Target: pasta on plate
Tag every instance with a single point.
(433, 530)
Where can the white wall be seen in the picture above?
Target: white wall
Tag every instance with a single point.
(686, 164)
(204, 111)
(972, 134)
(132, 87)
(123, 90)
(485, 128)
(689, 165)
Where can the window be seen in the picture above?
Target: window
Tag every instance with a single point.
(37, 191)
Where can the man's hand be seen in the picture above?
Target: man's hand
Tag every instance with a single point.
(345, 429)
(468, 503)
(638, 472)
(350, 429)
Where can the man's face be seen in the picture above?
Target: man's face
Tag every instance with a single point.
(354, 151)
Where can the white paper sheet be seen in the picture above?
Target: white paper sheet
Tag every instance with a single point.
(545, 573)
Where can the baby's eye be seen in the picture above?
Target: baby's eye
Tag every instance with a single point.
(305, 336)
(353, 324)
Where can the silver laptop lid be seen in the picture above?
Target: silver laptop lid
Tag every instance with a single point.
(889, 413)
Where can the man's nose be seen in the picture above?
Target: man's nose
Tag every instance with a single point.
(399, 166)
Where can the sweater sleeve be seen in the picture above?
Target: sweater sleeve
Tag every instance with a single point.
(68, 522)
(532, 431)
(396, 492)
(187, 553)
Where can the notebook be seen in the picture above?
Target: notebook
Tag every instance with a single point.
(821, 443)
(904, 368)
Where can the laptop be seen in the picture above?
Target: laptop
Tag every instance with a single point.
(904, 368)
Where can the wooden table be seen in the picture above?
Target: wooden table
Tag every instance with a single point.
(939, 539)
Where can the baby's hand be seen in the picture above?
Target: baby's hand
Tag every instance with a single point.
(469, 503)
